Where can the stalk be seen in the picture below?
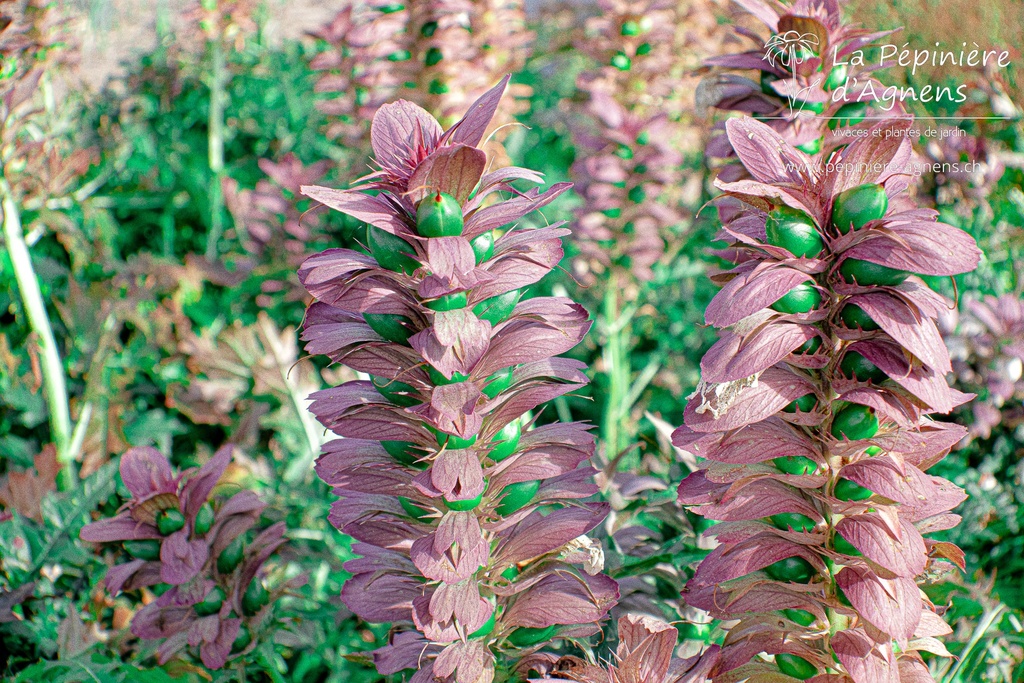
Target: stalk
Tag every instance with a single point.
(35, 309)
(613, 368)
(216, 148)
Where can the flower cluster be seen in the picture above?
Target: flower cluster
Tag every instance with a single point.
(814, 414)
(986, 342)
(632, 139)
(197, 549)
(469, 517)
(645, 654)
(807, 76)
(443, 53)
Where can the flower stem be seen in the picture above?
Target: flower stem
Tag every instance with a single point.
(616, 368)
(35, 310)
(216, 148)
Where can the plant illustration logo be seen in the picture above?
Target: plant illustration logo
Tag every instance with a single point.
(790, 48)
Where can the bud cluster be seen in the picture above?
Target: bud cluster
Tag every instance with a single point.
(195, 550)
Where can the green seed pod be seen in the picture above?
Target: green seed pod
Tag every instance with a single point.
(810, 346)
(398, 393)
(637, 195)
(854, 317)
(803, 298)
(621, 62)
(795, 464)
(487, 628)
(851, 490)
(767, 78)
(506, 441)
(439, 380)
(483, 246)
(643, 137)
(242, 640)
(428, 29)
(453, 442)
(859, 205)
(464, 505)
(390, 251)
(613, 212)
(699, 632)
(794, 666)
(404, 452)
(872, 450)
(497, 309)
(623, 152)
(799, 616)
(793, 521)
(231, 556)
(394, 328)
(804, 404)
(448, 302)
(794, 569)
(433, 56)
(517, 496)
(630, 28)
(391, 8)
(255, 597)
(804, 105)
(400, 56)
(855, 422)
(643, 49)
(810, 147)
(525, 636)
(841, 545)
(170, 520)
(204, 520)
(865, 273)
(439, 215)
(412, 509)
(498, 382)
(858, 367)
(437, 87)
(211, 604)
(148, 549)
(793, 230)
(848, 115)
(836, 77)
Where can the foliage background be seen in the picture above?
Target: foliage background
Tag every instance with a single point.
(176, 323)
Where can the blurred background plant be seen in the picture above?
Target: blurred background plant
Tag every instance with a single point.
(174, 310)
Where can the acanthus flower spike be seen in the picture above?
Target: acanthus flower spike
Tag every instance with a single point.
(178, 534)
(815, 415)
(468, 515)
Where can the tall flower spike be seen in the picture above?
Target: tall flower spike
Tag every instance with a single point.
(177, 534)
(441, 53)
(814, 414)
(468, 516)
(630, 148)
(807, 83)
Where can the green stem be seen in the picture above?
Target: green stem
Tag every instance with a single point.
(39, 321)
(216, 148)
(616, 367)
(952, 675)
